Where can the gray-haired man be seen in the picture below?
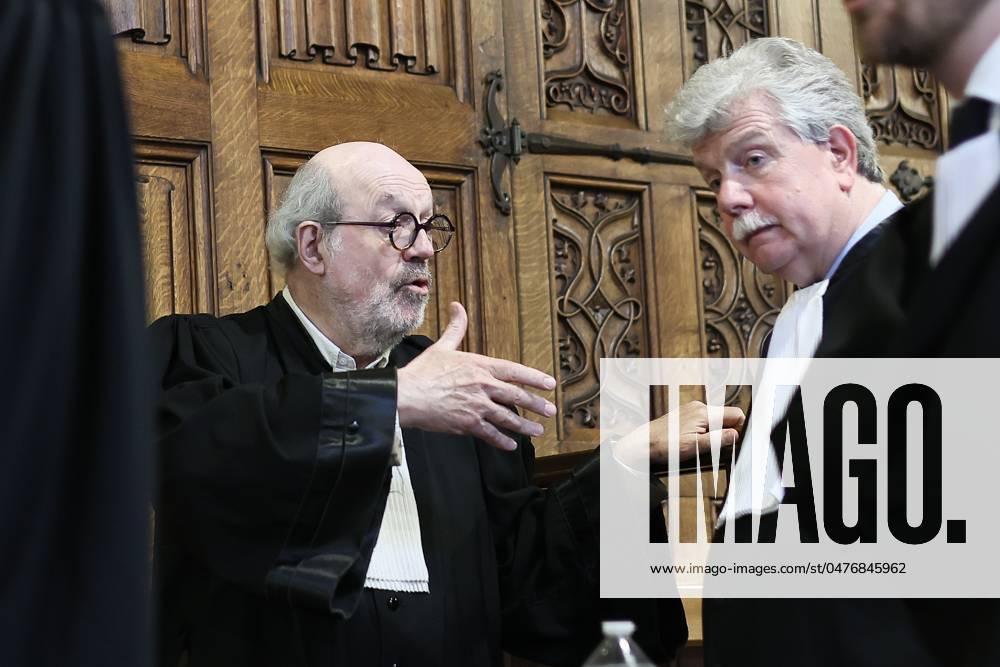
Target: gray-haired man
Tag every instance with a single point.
(779, 134)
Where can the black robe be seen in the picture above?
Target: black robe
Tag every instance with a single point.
(274, 478)
(76, 417)
(893, 304)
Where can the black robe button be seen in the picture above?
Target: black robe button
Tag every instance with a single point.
(392, 603)
(353, 427)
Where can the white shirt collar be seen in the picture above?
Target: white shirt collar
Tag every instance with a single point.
(886, 206)
(985, 79)
(337, 358)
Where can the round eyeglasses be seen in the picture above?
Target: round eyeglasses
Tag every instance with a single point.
(404, 228)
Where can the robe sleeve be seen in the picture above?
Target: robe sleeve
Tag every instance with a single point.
(276, 487)
(548, 559)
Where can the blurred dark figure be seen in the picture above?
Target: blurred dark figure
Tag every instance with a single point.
(75, 419)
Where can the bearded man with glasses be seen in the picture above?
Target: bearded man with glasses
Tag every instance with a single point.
(336, 492)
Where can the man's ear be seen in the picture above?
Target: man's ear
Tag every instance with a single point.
(844, 155)
(309, 240)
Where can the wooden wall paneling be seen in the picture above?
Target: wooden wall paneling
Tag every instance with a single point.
(173, 28)
(456, 269)
(162, 60)
(237, 179)
(836, 37)
(675, 284)
(163, 99)
(410, 37)
(536, 298)
(173, 193)
(662, 72)
(796, 19)
(599, 232)
(714, 28)
(590, 61)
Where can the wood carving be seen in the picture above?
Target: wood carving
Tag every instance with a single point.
(717, 27)
(588, 55)
(902, 105)
(599, 292)
(154, 22)
(740, 302)
(385, 35)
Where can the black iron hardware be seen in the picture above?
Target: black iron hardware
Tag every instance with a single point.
(505, 144)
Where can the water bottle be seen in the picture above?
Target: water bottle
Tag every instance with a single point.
(617, 649)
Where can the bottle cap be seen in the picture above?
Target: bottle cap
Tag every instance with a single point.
(618, 628)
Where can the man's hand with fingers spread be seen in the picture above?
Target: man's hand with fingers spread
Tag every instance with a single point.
(694, 433)
(450, 391)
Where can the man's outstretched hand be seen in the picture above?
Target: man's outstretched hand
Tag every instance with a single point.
(450, 391)
(694, 435)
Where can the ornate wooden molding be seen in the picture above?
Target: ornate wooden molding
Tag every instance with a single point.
(384, 35)
(596, 73)
(599, 278)
(717, 27)
(902, 105)
(152, 22)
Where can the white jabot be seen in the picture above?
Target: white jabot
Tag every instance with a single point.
(965, 175)
(796, 334)
(397, 562)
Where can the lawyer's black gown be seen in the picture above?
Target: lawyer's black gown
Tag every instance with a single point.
(274, 478)
(892, 304)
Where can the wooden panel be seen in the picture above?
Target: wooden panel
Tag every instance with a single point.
(590, 60)
(164, 100)
(172, 188)
(416, 39)
(455, 270)
(797, 19)
(237, 180)
(903, 106)
(160, 27)
(600, 301)
(715, 28)
(835, 35)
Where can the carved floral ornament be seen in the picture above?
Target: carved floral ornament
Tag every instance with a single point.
(587, 50)
(599, 293)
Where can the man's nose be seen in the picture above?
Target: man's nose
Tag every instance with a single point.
(733, 198)
(422, 248)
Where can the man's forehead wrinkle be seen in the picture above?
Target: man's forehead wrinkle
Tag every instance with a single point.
(392, 191)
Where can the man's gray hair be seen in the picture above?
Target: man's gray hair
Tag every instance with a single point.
(810, 92)
(310, 196)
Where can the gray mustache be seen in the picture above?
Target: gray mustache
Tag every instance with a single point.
(409, 273)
